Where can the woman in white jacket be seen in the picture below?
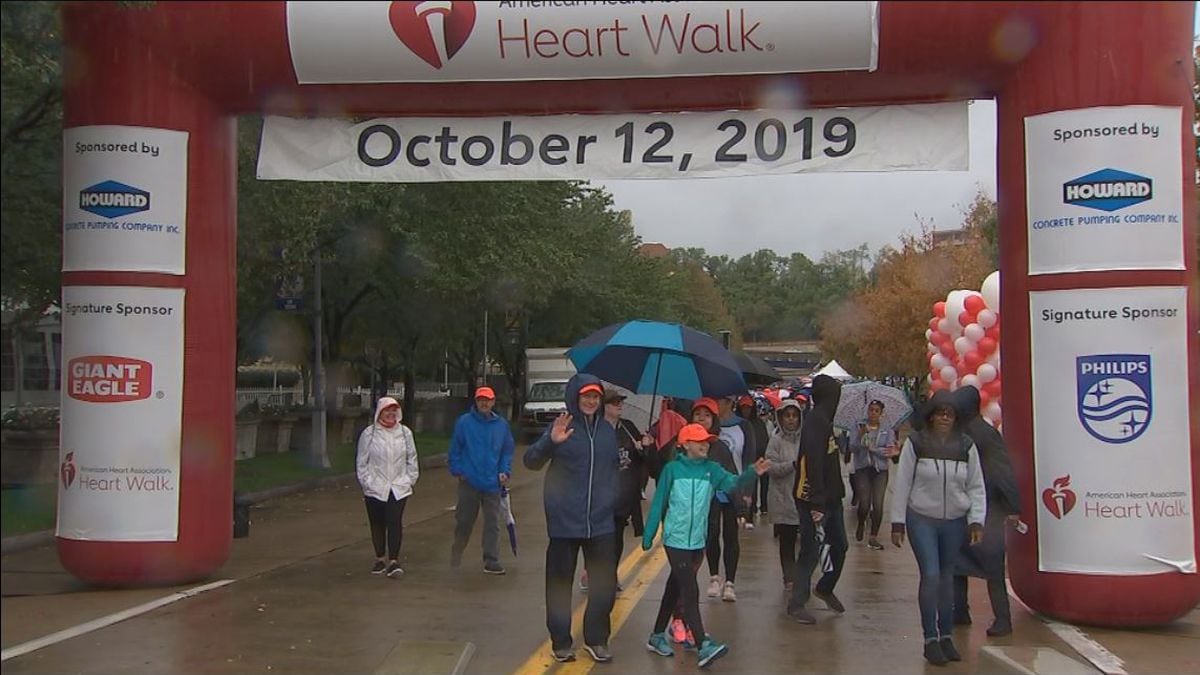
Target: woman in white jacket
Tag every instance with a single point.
(387, 470)
(940, 502)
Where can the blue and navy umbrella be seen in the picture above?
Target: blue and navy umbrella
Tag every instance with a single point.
(650, 357)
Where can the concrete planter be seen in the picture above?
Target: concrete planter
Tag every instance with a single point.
(29, 457)
(247, 438)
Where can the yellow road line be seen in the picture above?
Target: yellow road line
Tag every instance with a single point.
(628, 600)
(540, 660)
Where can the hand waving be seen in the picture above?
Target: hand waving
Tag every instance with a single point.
(562, 429)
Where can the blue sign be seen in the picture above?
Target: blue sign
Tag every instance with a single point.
(1114, 401)
(1108, 190)
(111, 199)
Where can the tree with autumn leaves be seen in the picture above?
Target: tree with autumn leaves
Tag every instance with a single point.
(880, 330)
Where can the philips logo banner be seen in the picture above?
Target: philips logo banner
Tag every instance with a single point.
(122, 413)
(1104, 189)
(1112, 457)
(462, 41)
(124, 199)
(1108, 190)
(1114, 395)
(929, 137)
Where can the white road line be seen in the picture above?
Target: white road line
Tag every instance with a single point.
(1096, 653)
(104, 621)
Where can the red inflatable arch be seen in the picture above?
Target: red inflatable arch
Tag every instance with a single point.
(194, 66)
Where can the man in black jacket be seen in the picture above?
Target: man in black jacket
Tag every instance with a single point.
(819, 491)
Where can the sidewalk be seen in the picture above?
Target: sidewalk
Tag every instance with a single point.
(302, 601)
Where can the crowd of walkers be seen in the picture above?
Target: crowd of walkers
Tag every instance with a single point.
(719, 465)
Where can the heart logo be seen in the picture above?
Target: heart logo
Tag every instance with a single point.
(67, 470)
(414, 24)
(1059, 500)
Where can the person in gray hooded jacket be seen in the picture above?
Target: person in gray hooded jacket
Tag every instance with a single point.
(782, 451)
(940, 502)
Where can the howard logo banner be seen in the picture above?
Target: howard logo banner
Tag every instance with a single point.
(614, 146)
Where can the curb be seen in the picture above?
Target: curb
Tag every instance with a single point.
(23, 542)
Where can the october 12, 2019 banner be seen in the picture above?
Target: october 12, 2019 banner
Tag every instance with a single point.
(930, 137)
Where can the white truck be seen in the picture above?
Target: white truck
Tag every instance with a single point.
(547, 370)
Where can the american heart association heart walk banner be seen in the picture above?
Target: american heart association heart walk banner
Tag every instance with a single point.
(1111, 449)
(122, 410)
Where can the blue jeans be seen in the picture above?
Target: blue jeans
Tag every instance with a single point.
(936, 543)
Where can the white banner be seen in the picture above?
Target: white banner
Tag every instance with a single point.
(1104, 189)
(365, 42)
(124, 199)
(122, 395)
(661, 145)
(1110, 430)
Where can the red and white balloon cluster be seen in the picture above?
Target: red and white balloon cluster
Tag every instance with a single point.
(964, 344)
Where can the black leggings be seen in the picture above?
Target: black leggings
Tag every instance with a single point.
(870, 485)
(787, 550)
(722, 524)
(682, 589)
(387, 524)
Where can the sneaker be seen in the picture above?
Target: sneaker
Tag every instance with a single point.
(998, 629)
(714, 586)
(563, 655)
(949, 651)
(379, 567)
(934, 654)
(659, 644)
(749, 526)
(393, 570)
(710, 651)
(802, 616)
(831, 601)
(491, 567)
(599, 653)
(874, 544)
(728, 594)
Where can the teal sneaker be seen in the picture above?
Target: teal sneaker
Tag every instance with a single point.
(659, 644)
(711, 651)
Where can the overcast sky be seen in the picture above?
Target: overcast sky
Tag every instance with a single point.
(809, 213)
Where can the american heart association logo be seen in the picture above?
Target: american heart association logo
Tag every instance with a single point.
(1060, 499)
(67, 470)
(417, 25)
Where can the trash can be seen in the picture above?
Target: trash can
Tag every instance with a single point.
(241, 517)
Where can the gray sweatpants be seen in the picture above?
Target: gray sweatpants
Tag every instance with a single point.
(469, 502)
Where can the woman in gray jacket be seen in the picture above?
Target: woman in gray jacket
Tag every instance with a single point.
(940, 502)
(782, 451)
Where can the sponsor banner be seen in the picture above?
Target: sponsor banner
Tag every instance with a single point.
(1112, 460)
(124, 199)
(1104, 189)
(122, 394)
(661, 145)
(368, 42)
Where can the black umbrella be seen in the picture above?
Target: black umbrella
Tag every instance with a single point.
(755, 370)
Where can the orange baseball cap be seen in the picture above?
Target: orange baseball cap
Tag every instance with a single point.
(696, 433)
(708, 404)
(485, 392)
(590, 387)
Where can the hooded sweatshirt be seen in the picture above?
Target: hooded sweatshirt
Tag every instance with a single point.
(386, 459)
(782, 451)
(998, 477)
(481, 449)
(582, 481)
(939, 478)
(818, 475)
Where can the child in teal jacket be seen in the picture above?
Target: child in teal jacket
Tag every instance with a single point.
(682, 498)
